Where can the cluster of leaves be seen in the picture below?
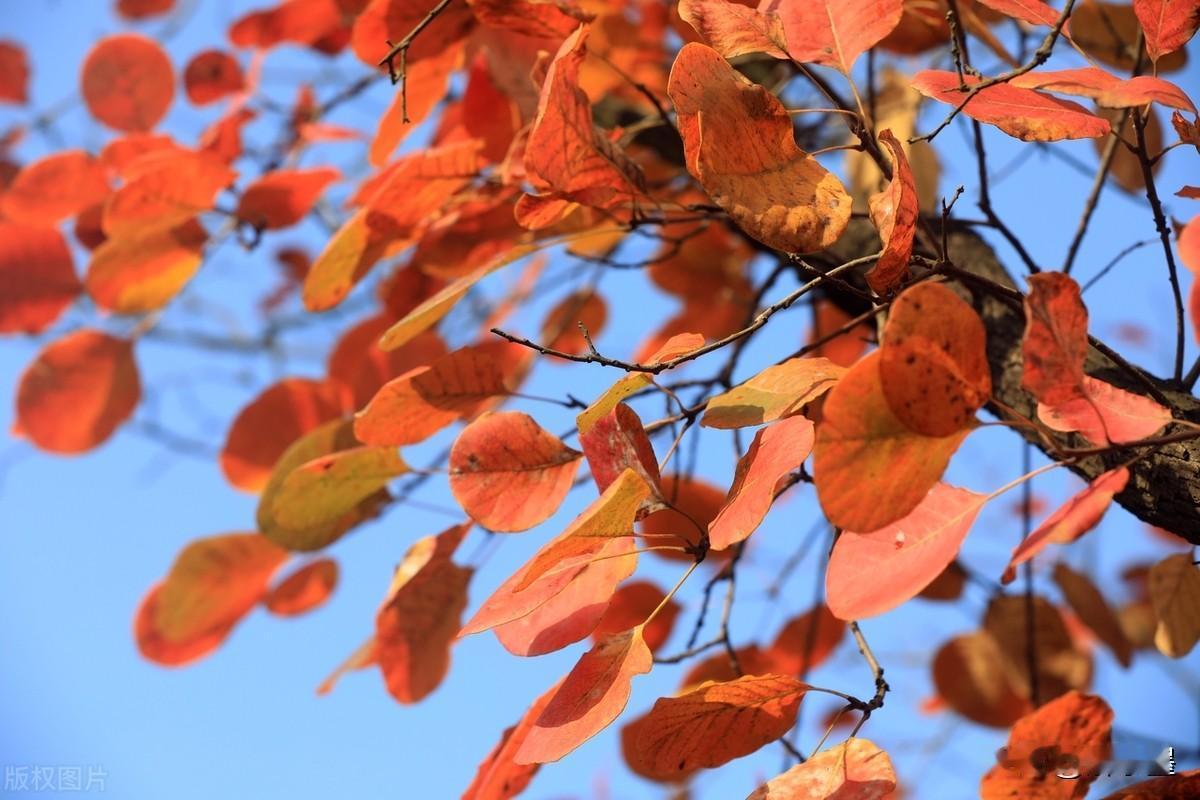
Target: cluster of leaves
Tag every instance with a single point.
(552, 144)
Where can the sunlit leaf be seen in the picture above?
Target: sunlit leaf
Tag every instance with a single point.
(733, 29)
(128, 82)
(1168, 24)
(780, 390)
(305, 589)
(894, 212)
(282, 198)
(631, 605)
(1105, 413)
(1107, 89)
(499, 777)
(805, 642)
(834, 33)
(37, 277)
(1055, 343)
(856, 769)
(617, 442)
(141, 271)
(53, 188)
(1175, 593)
(212, 75)
(1093, 610)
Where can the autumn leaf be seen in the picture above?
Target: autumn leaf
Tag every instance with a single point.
(270, 423)
(1022, 113)
(903, 557)
(1078, 516)
(780, 390)
(1093, 610)
(1060, 665)
(933, 361)
(716, 723)
(773, 190)
(593, 694)
(509, 474)
(422, 401)
(692, 505)
(1168, 24)
(212, 75)
(1107, 89)
(1055, 343)
(631, 605)
(1073, 733)
(163, 189)
(856, 769)
(864, 450)
(970, 676)
(894, 212)
(1034, 12)
(365, 656)
(77, 392)
(37, 277)
(357, 364)
(775, 451)
(14, 74)
(617, 442)
(561, 328)
(141, 9)
(162, 651)
(834, 33)
(1175, 593)
(53, 188)
(733, 29)
(417, 623)
(128, 82)
(499, 777)
(806, 641)
(305, 589)
(143, 270)
(1105, 413)
(282, 198)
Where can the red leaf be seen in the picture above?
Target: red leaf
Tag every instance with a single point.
(593, 694)
(1106, 89)
(631, 605)
(733, 29)
(1080, 514)
(776, 450)
(901, 558)
(716, 723)
(142, 270)
(212, 75)
(417, 623)
(854, 770)
(165, 188)
(1106, 414)
(894, 211)
(1168, 24)
(693, 505)
(283, 198)
(508, 474)
(805, 642)
(303, 590)
(77, 392)
(128, 82)
(141, 9)
(775, 192)
(358, 364)
(14, 73)
(1035, 12)
(1022, 113)
(617, 442)
(971, 677)
(1055, 342)
(37, 277)
(53, 188)
(933, 361)
(834, 32)
(864, 451)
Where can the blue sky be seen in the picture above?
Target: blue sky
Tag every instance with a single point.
(82, 538)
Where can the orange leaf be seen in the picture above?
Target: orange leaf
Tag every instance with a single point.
(806, 641)
(53, 188)
(864, 450)
(1073, 732)
(971, 678)
(902, 558)
(716, 723)
(77, 391)
(384, 21)
(157, 648)
(426, 88)
(14, 73)
(37, 277)
(1022, 113)
(631, 605)
(1080, 514)
(1175, 593)
(733, 29)
(1035, 12)
(834, 33)
(128, 82)
(213, 583)
(1093, 611)
(856, 769)
(933, 361)
(422, 401)
(693, 505)
(1107, 89)
(1060, 665)
(780, 390)
(774, 191)
(617, 442)
(1055, 342)
(1168, 24)
(894, 212)
(141, 9)
(593, 694)
(776, 450)
(212, 75)
(365, 656)
(1106, 414)
(561, 329)
(509, 474)
(417, 623)
(268, 425)
(310, 505)
(283, 198)
(358, 364)
(499, 777)
(163, 189)
(303, 590)
(843, 349)
(142, 270)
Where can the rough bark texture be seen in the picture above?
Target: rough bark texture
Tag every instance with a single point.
(1164, 487)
